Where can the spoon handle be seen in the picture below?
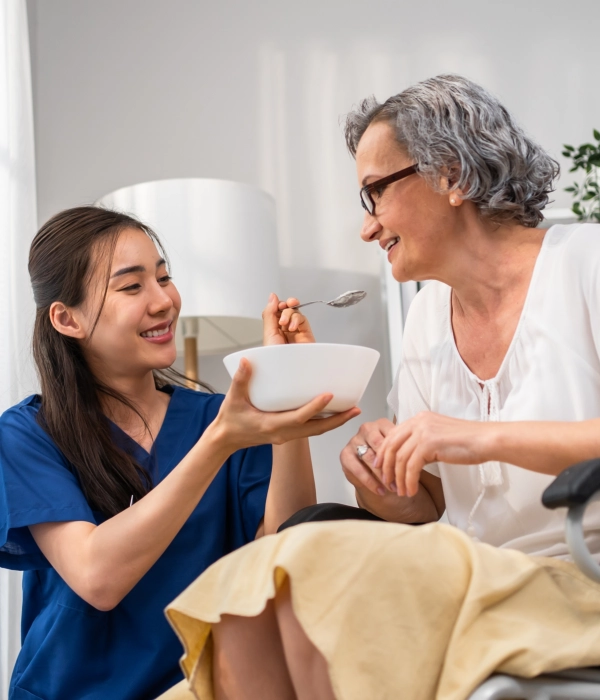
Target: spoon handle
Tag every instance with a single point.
(306, 303)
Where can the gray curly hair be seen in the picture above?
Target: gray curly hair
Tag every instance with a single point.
(452, 127)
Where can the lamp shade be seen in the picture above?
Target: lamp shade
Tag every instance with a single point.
(221, 240)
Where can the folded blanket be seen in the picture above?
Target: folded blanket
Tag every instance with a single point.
(418, 613)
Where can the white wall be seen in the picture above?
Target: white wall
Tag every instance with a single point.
(130, 90)
(134, 90)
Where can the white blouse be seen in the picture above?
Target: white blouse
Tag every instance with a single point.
(551, 372)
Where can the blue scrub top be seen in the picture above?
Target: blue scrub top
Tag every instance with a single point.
(71, 651)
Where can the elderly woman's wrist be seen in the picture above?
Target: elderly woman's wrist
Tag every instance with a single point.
(493, 442)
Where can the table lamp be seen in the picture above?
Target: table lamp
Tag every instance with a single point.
(221, 240)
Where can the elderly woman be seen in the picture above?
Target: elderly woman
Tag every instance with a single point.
(497, 393)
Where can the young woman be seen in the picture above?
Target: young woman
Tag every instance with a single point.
(118, 485)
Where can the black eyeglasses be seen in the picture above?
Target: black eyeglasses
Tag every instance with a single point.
(370, 194)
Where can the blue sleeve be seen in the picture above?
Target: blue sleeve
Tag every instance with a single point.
(36, 486)
(253, 472)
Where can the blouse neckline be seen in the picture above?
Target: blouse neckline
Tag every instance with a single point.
(505, 360)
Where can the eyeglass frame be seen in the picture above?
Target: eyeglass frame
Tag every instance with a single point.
(365, 192)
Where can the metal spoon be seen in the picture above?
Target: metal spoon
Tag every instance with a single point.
(345, 299)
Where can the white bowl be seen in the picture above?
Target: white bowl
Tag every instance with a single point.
(285, 377)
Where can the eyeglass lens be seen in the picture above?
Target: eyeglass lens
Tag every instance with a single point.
(367, 202)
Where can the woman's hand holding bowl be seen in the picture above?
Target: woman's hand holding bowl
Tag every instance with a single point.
(243, 425)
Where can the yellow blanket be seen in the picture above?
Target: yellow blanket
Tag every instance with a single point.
(418, 613)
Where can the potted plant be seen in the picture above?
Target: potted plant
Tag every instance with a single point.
(587, 193)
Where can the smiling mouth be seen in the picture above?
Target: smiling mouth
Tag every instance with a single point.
(391, 243)
(157, 333)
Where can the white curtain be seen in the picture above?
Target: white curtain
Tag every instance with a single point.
(18, 223)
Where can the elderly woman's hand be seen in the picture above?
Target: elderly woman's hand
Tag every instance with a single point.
(427, 438)
(282, 324)
(358, 470)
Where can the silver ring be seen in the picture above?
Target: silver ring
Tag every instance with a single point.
(362, 450)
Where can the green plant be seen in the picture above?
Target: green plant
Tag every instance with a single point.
(587, 194)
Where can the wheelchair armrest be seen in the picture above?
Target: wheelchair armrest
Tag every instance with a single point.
(573, 487)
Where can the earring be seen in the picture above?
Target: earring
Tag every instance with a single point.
(452, 200)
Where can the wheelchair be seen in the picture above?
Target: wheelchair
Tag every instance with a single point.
(575, 489)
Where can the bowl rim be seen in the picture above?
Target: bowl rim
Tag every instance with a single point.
(299, 345)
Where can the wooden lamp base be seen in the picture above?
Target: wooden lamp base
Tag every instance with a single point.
(190, 351)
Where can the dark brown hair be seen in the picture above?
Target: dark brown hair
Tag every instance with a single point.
(61, 262)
